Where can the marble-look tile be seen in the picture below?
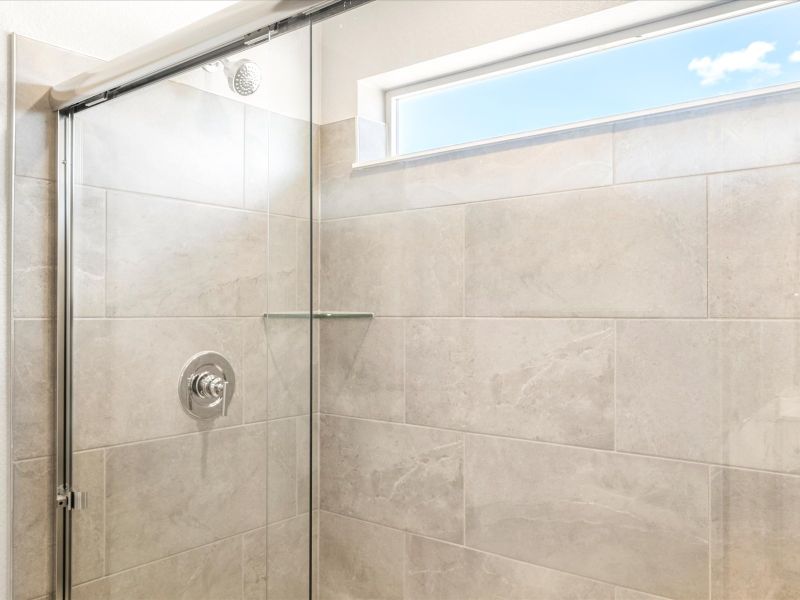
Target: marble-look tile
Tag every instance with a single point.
(88, 525)
(361, 368)
(305, 467)
(213, 572)
(359, 561)
(89, 252)
(630, 250)
(38, 67)
(282, 470)
(254, 565)
(173, 258)
(289, 166)
(703, 140)
(289, 357)
(714, 391)
(190, 490)
(254, 381)
(347, 193)
(287, 560)
(397, 475)
(32, 529)
(112, 356)
(512, 169)
(633, 521)
(754, 251)
(168, 140)
(440, 571)
(283, 270)
(504, 170)
(33, 524)
(755, 535)
(256, 158)
(549, 380)
(397, 264)
(34, 372)
(34, 248)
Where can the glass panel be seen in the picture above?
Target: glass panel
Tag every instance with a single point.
(735, 55)
(192, 221)
(581, 378)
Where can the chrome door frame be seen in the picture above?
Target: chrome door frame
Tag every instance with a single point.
(62, 571)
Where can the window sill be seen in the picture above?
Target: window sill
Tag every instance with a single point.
(447, 151)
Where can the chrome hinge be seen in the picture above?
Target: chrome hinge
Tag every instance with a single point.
(71, 499)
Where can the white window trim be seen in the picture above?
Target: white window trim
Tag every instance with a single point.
(603, 41)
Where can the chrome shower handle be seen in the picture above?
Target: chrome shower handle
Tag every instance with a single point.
(206, 386)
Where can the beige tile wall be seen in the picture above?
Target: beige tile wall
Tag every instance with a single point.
(581, 381)
(185, 232)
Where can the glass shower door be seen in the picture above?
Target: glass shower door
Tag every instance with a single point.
(190, 426)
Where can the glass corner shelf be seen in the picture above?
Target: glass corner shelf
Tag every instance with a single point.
(320, 314)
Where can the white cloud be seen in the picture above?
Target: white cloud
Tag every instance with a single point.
(750, 59)
(794, 56)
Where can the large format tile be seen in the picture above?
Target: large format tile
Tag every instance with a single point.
(755, 535)
(213, 572)
(359, 561)
(89, 252)
(282, 470)
(289, 367)
(39, 66)
(34, 248)
(256, 158)
(284, 269)
(632, 250)
(547, 380)
(125, 376)
(361, 368)
(172, 258)
(33, 524)
(289, 166)
(397, 475)
(397, 264)
(168, 140)
(704, 140)
(754, 250)
(254, 564)
(633, 521)
(287, 560)
(33, 409)
(716, 391)
(503, 170)
(439, 571)
(190, 490)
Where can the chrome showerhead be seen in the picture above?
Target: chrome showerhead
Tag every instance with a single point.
(244, 76)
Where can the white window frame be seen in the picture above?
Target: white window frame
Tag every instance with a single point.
(572, 49)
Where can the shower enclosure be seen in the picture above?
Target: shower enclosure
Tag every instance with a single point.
(294, 362)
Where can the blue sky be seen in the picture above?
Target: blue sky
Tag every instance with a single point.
(744, 53)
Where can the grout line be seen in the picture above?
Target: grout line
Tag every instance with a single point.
(562, 191)
(629, 453)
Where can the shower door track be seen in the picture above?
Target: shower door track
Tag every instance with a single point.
(66, 499)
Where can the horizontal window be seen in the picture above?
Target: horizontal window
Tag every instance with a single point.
(739, 54)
